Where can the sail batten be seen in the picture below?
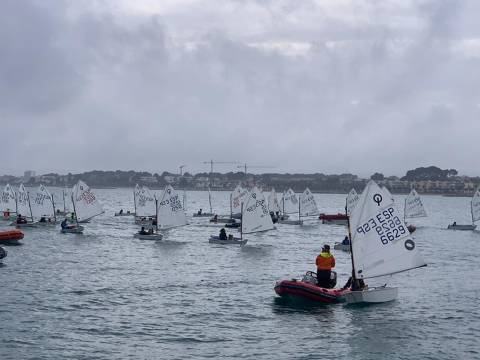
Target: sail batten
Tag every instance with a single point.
(381, 242)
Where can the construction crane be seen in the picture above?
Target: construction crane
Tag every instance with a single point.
(212, 162)
(245, 167)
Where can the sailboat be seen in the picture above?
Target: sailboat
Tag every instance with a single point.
(200, 213)
(290, 205)
(23, 209)
(475, 211)
(151, 234)
(170, 211)
(380, 245)
(352, 200)
(238, 196)
(43, 207)
(255, 217)
(85, 206)
(8, 203)
(413, 209)
(145, 205)
(65, 210)
(307, 205)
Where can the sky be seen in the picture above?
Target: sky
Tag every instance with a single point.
(329, 86)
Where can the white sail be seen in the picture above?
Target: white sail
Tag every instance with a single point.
(86, 203)
(238, 197)
(42, 203)
(273, 204)
(23, 204)
(289, 202)
(352, 200)
(308, 206)
(414, 206)
(389, 194)
(144, 202)
(255, 216)
(381, 243)
(476, 206)
(8, 199)
(170, 209)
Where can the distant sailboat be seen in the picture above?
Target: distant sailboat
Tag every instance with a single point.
(170, 209)
(255, 217)
(24, 209)
(145, 205)
(290, 205)
(352, 200)
(273, 204)
(8, 203)
(201, 213)
(43, 207)
(475, 212)
(85, 206)
(308, 205)
(150, 234)
(237, 197)
(380, 245)
(413, 208)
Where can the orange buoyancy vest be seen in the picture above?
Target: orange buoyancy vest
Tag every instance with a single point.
(325, 261)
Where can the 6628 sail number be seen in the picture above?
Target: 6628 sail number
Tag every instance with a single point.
(386, 225)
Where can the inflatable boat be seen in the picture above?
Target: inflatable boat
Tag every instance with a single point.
(336, 219)
(307, 289)
(10, 236)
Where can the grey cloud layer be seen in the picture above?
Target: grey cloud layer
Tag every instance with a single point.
(99, 90)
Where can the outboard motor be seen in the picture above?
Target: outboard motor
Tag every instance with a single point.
(333, 279)
(310, 277)
(3, 253)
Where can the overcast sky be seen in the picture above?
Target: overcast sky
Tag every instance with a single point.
(303, 86)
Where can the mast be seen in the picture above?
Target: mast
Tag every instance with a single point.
(156, 214)
(53, 205)
(241, 221)
(135, 202)
(404, 211)
(351, 247)
(30, 206)
(64, 202)
(299, 202)
(75, 211)
(283, 203)
(231, 211)
(471, 209)
(210, 201)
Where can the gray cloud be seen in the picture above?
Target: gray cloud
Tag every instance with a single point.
(85, 89)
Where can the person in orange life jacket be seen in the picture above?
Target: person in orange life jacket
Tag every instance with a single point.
(325, 262)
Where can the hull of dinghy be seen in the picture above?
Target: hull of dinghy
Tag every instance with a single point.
(462, 227)
(234, 241)
(374, 295)
(300, 290)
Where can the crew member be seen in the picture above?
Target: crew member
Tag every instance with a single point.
(199, 212)
(346, 241)
(325, 262)
(223, 234)
(64, 224)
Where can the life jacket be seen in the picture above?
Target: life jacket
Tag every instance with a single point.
(325, 261)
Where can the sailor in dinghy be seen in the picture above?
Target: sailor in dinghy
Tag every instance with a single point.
(23, 207)
(475, 212)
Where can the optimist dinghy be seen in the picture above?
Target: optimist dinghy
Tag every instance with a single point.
(290, 205)
(23, 207)
(43, 207)
(200, 213)
(153, 234)
(255, 217)
(475, 211)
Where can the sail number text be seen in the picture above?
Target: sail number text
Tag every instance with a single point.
(386, 224)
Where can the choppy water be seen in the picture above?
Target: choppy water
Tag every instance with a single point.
(105, 295)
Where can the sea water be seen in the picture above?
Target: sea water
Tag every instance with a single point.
(106, 295)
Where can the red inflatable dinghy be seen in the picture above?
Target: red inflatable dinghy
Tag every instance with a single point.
(10, 236)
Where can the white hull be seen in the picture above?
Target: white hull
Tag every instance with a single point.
(73, 230)
(125, 214)
(462, 227)
(374, 295)
(154, 236)
(21, 226)
(234, 241)
(203, 215)
(291, 222)
(342, 247)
